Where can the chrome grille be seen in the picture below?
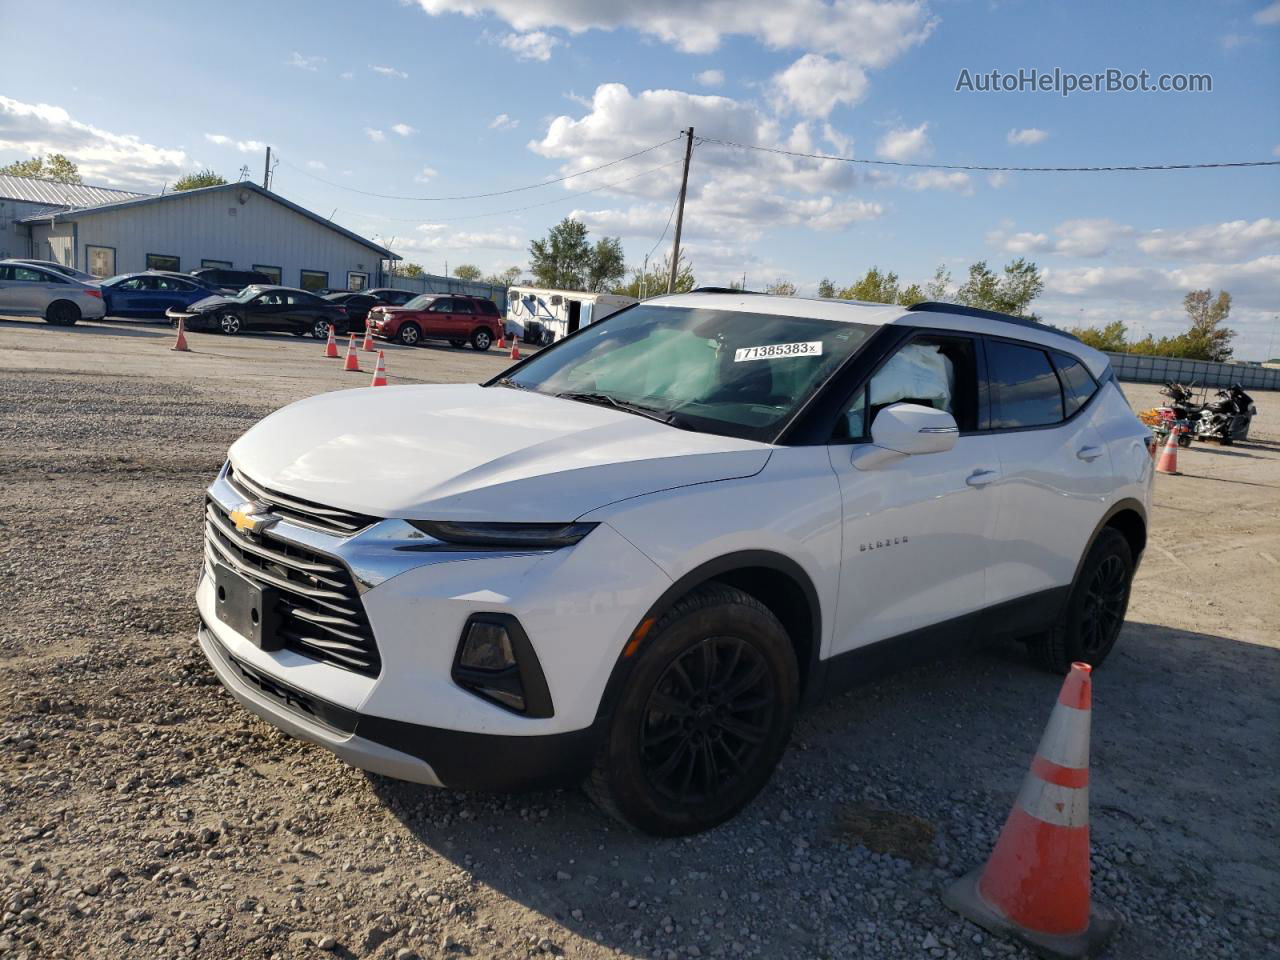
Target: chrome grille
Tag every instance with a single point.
(321, 613)
(343, 523)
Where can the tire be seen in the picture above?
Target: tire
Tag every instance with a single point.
(62, 313)
(703, 719)
(458, 343)
(1095, 608)
(229, 323)
(410, 334)
(481, 339)
(320, 329)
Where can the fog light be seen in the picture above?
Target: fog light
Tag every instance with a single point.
(487, 647)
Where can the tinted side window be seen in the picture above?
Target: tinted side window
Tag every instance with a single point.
(463, 306)
(487, 307)
(1024, 389)
(1077, 384)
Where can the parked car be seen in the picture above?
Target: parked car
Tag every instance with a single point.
(391, 295)
(230, 281)
(264, 308)
(66, 271)
(678, 525)
(33, 291)
(458, 319)
(149, 294)
(357, 306)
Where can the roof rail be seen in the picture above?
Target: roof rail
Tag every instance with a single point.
(722, 290)
(933, 306)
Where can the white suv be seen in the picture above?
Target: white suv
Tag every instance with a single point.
(628, 560)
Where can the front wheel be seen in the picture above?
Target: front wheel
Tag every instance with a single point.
(410, 333)
(1095, 608)
(704, 718)
(481, 339)
(229, 324)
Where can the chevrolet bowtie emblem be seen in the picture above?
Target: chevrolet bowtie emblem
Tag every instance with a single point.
(252, 517)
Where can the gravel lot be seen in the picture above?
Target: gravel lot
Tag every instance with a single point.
(144, 814)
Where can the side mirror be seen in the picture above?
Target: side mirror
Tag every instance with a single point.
(910, 429)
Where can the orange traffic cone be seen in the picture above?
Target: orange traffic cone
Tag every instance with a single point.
(368, 337)
(180, 344)
(331, 346)
(352, 362)
(1168, 462)
(515, 351)
(1035, 885)
(380, 372)
(502, 339)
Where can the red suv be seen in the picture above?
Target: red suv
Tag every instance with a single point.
(440, 316)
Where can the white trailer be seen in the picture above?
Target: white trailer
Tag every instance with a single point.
(540, 314)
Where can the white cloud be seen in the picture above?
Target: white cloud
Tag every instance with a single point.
(440, 236)
(1080, 237)
(346, 75)
(389, 72)
(503, 122)
(316, 164)
(107, 158)
(304, 63)
(997, 179)
(403, 129)
(815, 85)
(1027, 137)
(377, 136)
(1268, 16)
(425, 174)
(244, 146)
(838, 142)
(711, 78)
(1021, 244)
(1232, 240)
(904, 144)
(956, 180)
(870, 33)
(535, 45)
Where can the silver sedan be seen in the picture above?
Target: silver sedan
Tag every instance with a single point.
(28, 290)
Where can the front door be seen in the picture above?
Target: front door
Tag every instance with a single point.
(916, 529)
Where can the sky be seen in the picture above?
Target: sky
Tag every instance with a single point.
(447, 98)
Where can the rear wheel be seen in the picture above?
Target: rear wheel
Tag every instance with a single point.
(410, 334)
(481, 338)
(62, 313)
(704, 719)
(229, 323)
(1095, 608)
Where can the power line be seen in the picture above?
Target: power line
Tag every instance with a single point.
(990, 169)
(492, 193)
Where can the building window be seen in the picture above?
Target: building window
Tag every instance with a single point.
(101, 260)
(314, 280)
(274, 273)
(357, 281)
(224, 264)
(162, 261)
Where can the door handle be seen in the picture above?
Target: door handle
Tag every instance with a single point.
(1089, 453)
(980, 478)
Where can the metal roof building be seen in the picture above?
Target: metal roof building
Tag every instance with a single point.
(22, 197)
(238, 226)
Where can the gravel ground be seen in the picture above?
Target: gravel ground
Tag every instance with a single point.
(144, 814)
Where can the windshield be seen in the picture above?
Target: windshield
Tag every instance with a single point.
(421, 302)
(715, 371)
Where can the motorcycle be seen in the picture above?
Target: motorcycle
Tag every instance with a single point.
(1181, 413)
(1227, 418)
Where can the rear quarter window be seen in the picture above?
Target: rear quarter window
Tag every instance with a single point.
(1025, 391)
(1078, 385)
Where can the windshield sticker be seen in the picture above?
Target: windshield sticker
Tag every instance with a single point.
(775, 351)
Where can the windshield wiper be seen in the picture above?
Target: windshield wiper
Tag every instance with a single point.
(604, 399)
(508, 382)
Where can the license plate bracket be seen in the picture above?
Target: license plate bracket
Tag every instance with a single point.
(250, 610)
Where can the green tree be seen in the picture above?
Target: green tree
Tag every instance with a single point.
(563, 259)
(654, 283)
(909, 296)
(402, 268)
(1208, 338)
(201, 178)
(607, 265)
(504, 279)
(1011, 293)
(936, 289)
(826, 289)
(467, 271)
(53, 167)
(1111, 337)
(781, 288)
(874, 287)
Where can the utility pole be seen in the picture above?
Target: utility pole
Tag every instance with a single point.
(266, 172)
(684, 188)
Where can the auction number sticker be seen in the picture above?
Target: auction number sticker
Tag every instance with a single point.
(774, 351)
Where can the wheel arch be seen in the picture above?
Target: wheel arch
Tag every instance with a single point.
(774, 579)
(62, 302)
(1129, 518)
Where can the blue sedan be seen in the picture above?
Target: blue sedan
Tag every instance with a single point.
(150, 294)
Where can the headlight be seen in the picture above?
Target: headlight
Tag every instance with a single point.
(533, 536)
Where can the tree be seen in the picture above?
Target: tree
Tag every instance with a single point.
(910, 296)
(467, 271)
(1111, 337)
(826, 289)
(53, 167)
(874, 287)
(1208, 339)
(402, 268)
(781, 288)
(1011, 293)
(201, 178)
(654, 283)
(607, 264)
(563, 259)
(937, 288)
(504, 279)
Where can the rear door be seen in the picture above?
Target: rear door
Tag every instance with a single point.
(1055, 473)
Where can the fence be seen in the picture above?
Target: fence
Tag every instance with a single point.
(432, 283)
(1143, 369)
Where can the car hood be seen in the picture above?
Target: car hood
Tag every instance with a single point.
(211, 302)
(464, 452)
